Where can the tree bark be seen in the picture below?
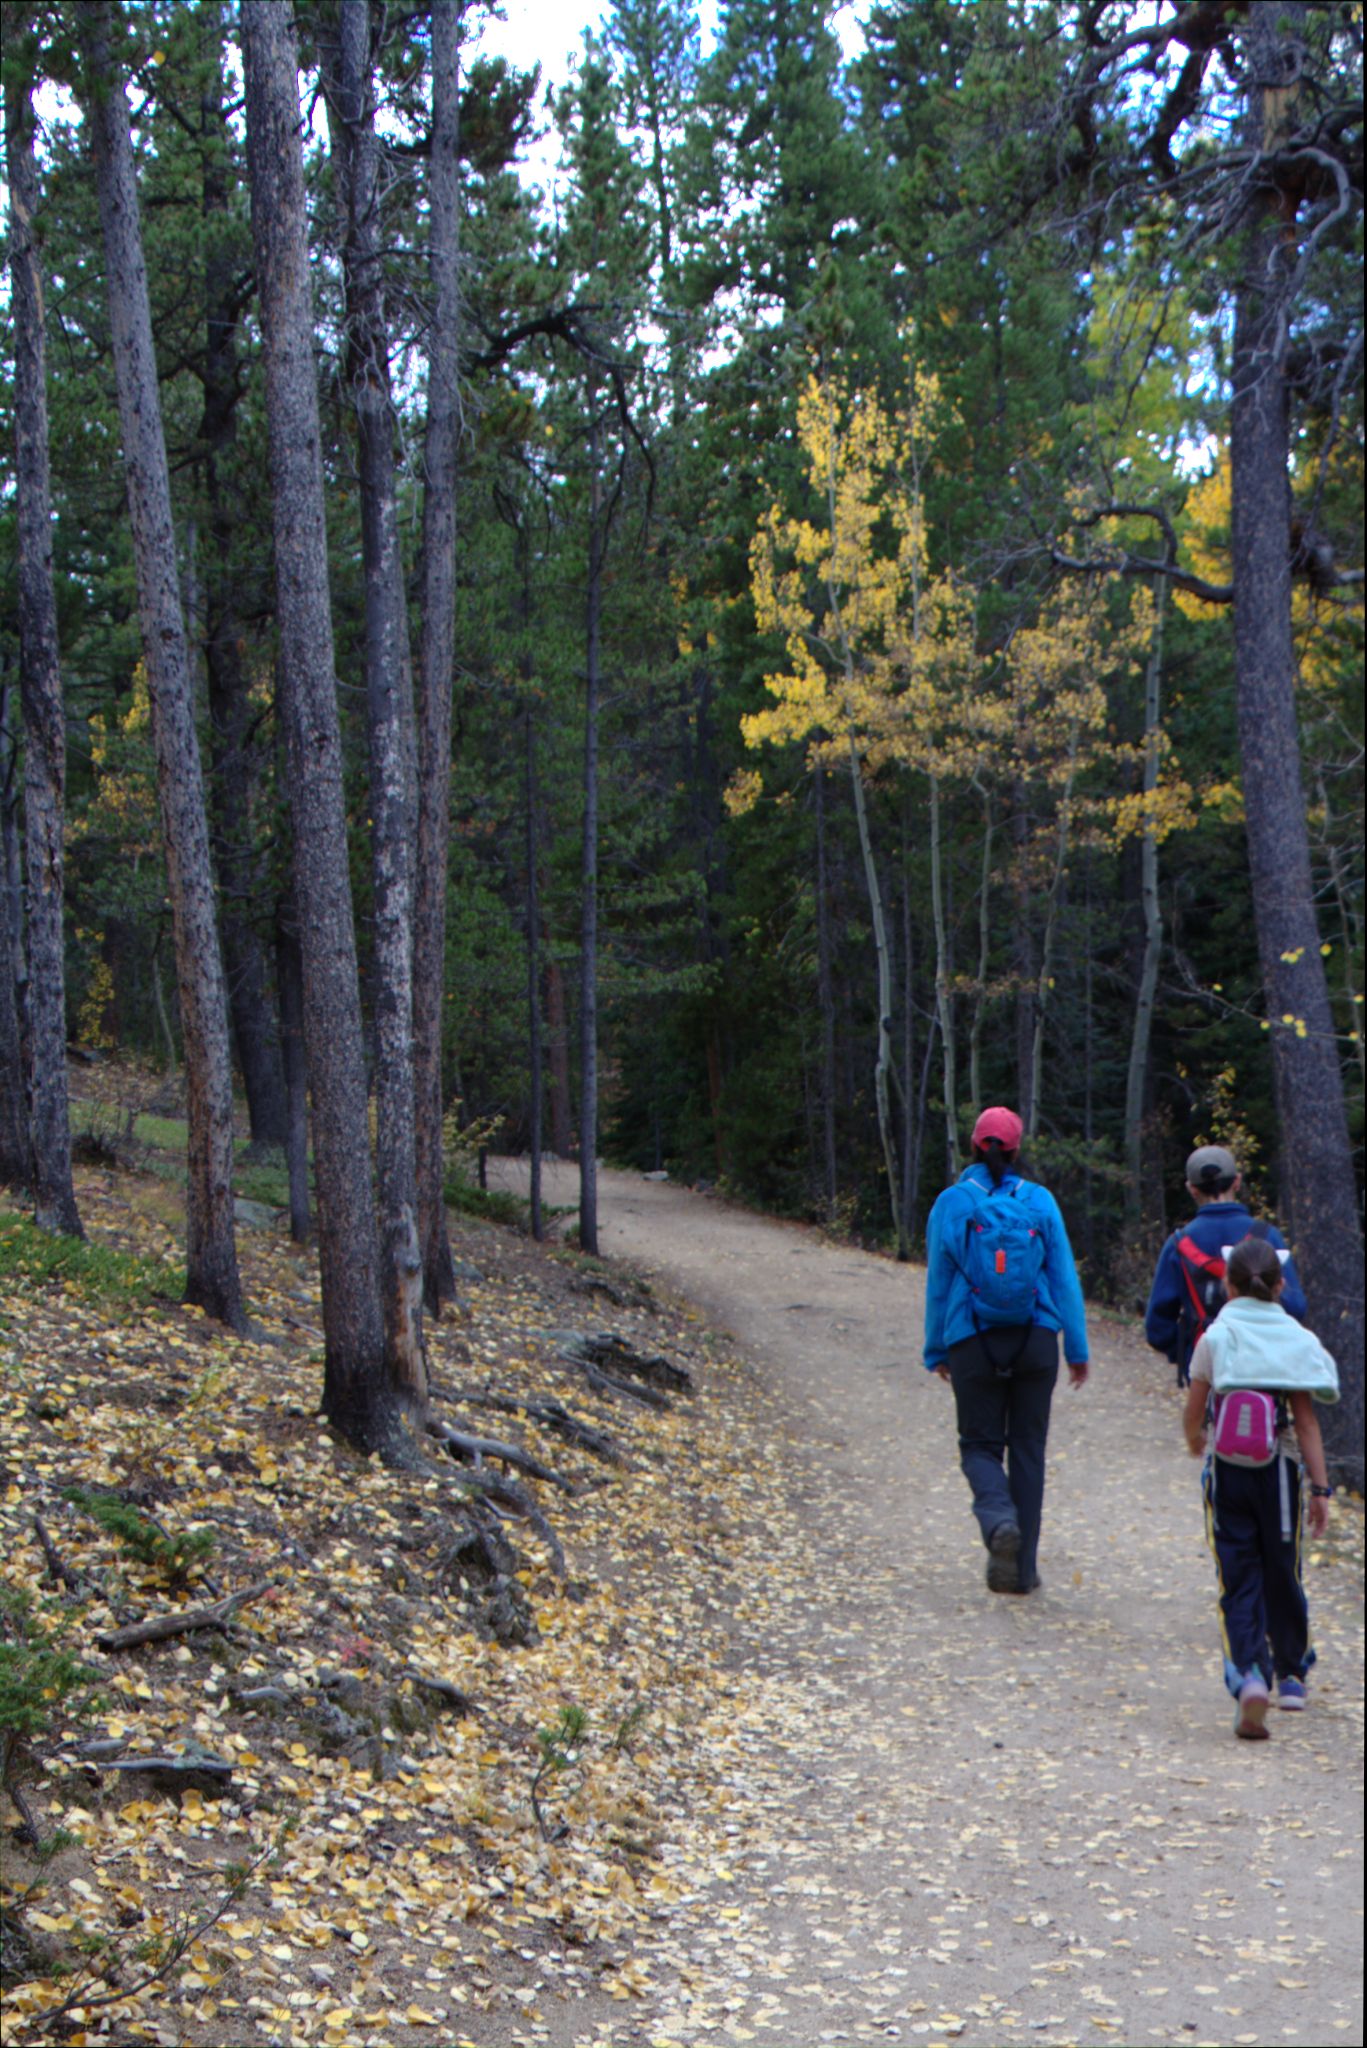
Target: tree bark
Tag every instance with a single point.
(1317, 1159)
(16, 1150)
(558, 1034)
(437, 647)
(359, 1397)
(232, 778)
(533, 970)
(211, 1254)
(825, 1003)
(944, 995)
(1044, 984)
(389, 700)
(975, 1033)
(588, 945)
(40, 683)
(1137, 1072)
(289, 981)
(883, 1062)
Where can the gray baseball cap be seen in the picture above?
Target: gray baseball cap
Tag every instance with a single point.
(1210, 1166)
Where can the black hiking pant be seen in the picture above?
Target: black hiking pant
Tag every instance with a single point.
(1003, 1384)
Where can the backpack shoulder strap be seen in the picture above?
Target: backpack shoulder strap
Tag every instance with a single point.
(1191, 1252)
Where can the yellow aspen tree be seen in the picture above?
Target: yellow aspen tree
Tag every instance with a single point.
(875, 642)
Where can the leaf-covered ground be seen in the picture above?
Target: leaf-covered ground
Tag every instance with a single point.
(826, 1789)
(415, 1892)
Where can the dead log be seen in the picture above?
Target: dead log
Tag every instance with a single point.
(609, 1384)
(477, 1448)
(611, 1353)
(60, 1573)
(552, 1415)
(163, 1626)
(451, 1697)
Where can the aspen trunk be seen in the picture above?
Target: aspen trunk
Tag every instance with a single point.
(359, 1397)
(826, 1003)
(1044, 985)
(211, 1254)
(883, 1063)
(944, 997)
(975, 1034)
(437, 648)
(48, 1132)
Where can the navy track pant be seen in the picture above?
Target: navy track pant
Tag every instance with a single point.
(1253, 1522)
(1003, 1386)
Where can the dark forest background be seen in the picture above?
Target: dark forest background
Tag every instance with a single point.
(849, 723)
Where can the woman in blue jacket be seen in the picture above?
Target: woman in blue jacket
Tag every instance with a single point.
(1000, 1288)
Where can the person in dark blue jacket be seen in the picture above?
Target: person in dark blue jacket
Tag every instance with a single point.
(1188, 1284)
(1000, 1359)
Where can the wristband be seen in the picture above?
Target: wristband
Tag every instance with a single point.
(1322, 1492)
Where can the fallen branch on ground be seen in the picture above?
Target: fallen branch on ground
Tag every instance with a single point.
(478, 1448)
(162, 1626)
(554, 1417)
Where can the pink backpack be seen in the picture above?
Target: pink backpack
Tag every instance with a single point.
(1246, 1427)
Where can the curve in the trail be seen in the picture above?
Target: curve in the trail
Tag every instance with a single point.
(982, 1819)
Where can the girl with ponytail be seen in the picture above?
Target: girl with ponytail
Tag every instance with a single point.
(1253, 1485)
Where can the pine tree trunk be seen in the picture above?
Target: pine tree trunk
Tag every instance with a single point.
(289, 978)
(16, 1152)
(211, 1253)
(359, 1397)
(437, 646)
(40, 682)
(588, 946)
(1317, 1159)
(533, 971)
(232, 782)
(389, 702)
(558, 1034)
(1137, 1072)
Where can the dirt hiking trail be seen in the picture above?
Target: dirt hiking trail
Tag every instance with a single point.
(963, 1817)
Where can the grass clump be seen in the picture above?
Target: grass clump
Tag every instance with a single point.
(101, 1272)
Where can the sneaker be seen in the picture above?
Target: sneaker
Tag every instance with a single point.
(1250, 1716)
(1291, 1694)
(1003, 1564)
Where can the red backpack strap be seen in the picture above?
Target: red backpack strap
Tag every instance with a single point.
(1205, 1262)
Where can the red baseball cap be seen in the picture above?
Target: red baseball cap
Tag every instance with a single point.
(1003, 1125)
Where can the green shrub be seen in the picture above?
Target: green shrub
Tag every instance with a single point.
(99, 1271)
(174, 1556)
(39, 1680)
(495, 1205)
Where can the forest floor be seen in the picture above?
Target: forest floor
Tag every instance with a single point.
(826, 1789)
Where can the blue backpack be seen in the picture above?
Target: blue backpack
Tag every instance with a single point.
(1003, 1257)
